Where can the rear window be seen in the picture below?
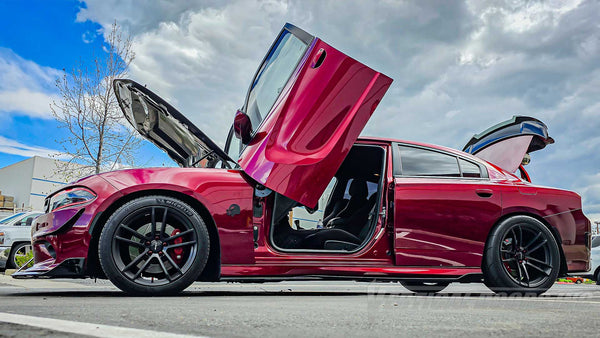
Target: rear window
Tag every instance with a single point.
(423, 162)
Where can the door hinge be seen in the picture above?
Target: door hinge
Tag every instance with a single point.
(383, 214)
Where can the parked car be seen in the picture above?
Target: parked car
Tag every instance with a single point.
(296, 194)
(15, 238)
(594, 272)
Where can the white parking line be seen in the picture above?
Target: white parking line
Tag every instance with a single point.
(89, 329)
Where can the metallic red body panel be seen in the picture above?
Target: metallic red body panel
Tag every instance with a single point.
(313, 124)
(442, 221)
(410, 240)
(561, 210)
(215, 189)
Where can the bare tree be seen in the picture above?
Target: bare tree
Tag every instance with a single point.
(99, 138)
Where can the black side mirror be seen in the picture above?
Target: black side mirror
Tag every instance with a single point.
(242, 127)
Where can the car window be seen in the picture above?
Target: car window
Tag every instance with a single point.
(272, 76)
(596, 242)
(233, 145)
(371, 186)
(300, 216)
(25, 220)
(10, 218)
(469, 169)
(423, 162)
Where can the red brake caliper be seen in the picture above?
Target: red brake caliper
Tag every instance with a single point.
(176, 253)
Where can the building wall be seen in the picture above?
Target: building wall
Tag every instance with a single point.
(15, 180)
(32, 179)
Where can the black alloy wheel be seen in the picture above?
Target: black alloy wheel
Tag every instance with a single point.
(521, 257)
(424, 287)
(154, 245)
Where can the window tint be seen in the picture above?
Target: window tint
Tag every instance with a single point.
(422, 162)
(233, 146)
(469, 169)
(371, 186)
(272, 76)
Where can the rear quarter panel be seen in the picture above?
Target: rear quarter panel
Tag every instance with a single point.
(561, 210)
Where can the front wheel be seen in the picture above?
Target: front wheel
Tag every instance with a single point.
(154, 245)
(424, 287)
(19, 255)
(521, 257)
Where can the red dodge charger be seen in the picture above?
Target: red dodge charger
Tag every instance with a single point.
(296, 194)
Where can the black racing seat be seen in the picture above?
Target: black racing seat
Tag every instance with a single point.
(345, 237)
(344, 209)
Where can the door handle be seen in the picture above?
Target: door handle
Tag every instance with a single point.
(485, 193)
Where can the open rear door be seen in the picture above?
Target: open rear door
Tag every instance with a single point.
(305, 123)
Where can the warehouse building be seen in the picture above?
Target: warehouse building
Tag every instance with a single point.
(30, 180)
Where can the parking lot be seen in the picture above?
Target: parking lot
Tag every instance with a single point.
(293, 309)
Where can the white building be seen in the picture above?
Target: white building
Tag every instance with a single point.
(30, 180)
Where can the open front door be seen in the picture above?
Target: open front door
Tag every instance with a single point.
(307, 104)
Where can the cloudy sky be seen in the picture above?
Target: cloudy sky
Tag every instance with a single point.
(458, 66)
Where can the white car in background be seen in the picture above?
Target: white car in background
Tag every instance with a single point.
(15, 238)
(595, 260)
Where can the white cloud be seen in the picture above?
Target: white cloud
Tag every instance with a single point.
(26, 88)
(13, 147)
(459, 67)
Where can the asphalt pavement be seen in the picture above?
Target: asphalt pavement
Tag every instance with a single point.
(292, 309)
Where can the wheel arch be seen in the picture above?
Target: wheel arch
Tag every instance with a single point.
(563, 261)
(212, 270)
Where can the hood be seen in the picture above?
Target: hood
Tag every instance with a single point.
(162, 124)
(507, 143)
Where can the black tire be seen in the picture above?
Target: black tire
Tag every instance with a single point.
(423, 287)
(521, 257)
(597, 276)
(18, 249)
(154, 245)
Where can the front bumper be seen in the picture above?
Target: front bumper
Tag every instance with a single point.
(61, 239)
(4, 254)
(60, 243)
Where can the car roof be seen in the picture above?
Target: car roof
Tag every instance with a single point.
(421, 144)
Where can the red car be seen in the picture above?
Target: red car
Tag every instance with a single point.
(296, 194)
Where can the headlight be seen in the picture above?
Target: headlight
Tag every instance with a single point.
(1, 238)
(69, 197)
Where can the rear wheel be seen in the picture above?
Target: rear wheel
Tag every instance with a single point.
(521, 257)
(598, 276)
(154, 245)
(424, 287)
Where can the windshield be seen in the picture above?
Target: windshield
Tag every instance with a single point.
(10, 218)
(272, 76)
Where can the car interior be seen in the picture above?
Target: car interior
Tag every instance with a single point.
(346, 214)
